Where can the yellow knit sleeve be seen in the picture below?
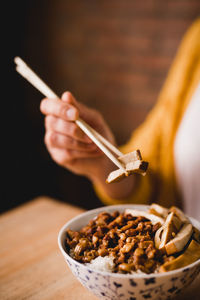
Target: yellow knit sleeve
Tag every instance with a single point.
(155, 137)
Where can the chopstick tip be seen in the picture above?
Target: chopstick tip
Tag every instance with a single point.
(18, 61)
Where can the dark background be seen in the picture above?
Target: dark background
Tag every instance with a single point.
(112, 55)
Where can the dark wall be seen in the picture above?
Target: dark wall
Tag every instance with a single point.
(113, 55)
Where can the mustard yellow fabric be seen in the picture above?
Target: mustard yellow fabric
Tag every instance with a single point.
(155, 137)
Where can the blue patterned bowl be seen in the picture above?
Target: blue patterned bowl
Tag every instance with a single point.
(114, 286)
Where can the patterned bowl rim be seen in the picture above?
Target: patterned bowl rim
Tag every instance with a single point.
(117, 275)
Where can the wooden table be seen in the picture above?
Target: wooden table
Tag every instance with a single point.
(31, 265)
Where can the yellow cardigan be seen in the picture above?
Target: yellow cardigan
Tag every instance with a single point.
(155, 137)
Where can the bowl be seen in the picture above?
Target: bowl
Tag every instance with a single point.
(115, 286)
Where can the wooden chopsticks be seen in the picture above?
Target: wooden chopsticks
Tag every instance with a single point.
(23, 69)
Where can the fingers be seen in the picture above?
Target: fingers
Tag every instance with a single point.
(62, 109)
(60, 116)
(67, 128)
(67, 97)
(57, 140)
(65, 157)
(90, 115)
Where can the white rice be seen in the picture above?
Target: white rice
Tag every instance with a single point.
(104, 264)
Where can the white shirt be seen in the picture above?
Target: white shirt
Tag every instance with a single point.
(187, 157)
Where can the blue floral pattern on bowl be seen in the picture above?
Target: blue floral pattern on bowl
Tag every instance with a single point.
(109, 287)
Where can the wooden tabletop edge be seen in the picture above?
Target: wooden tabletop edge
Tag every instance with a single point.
(41, 201)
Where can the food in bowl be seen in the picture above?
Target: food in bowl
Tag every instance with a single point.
(136, 285)
(134, 241)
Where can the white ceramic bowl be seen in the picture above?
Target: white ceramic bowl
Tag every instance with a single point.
(114, 286)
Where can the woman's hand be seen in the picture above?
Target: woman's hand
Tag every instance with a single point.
(71, 148)
(66, 142)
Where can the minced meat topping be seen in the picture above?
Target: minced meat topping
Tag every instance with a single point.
(128, 240)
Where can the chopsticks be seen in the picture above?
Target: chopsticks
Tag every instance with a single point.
(23, 69)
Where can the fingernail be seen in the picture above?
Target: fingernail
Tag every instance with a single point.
(65, 97)
(71, 114)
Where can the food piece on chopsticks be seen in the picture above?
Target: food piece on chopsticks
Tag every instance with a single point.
(132, 162)
(138, 166)
(116, 176)
(131, 156)
(190, 255)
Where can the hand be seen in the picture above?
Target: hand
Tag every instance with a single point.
(66, 142)
(71, 148)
